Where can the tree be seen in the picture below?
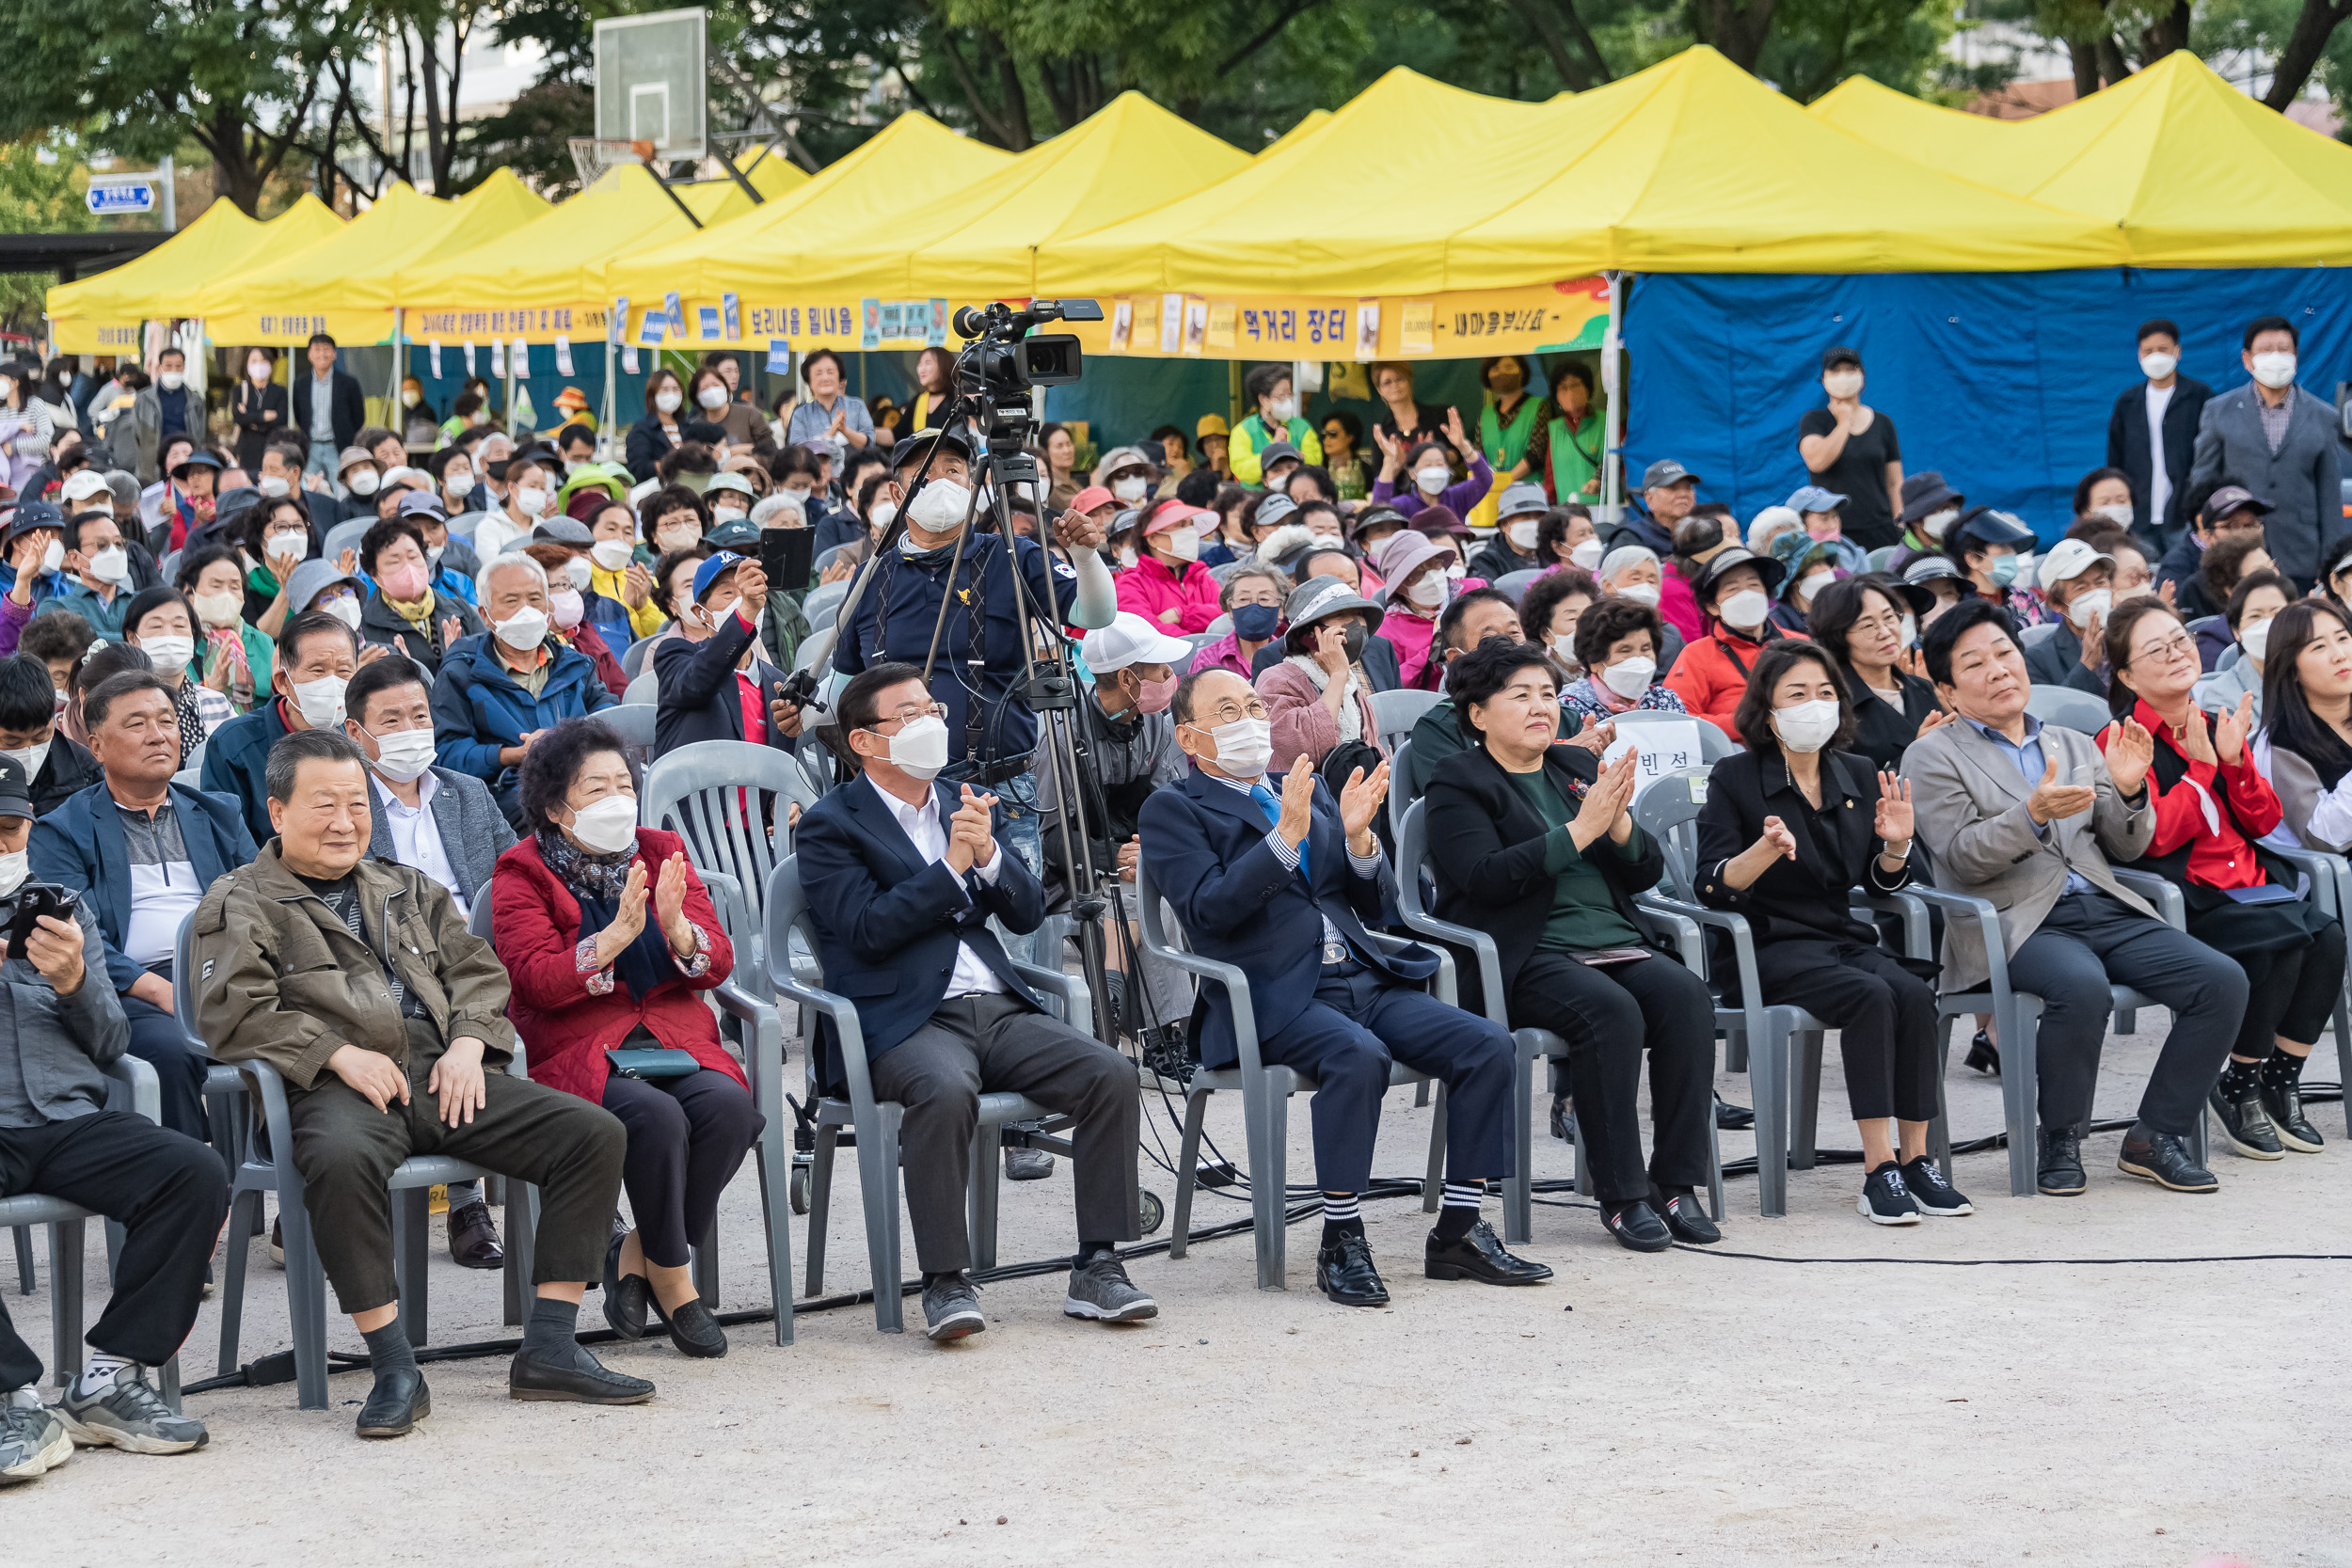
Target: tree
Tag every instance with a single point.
(38, 194)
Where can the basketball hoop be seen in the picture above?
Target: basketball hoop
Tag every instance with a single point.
(592, 156)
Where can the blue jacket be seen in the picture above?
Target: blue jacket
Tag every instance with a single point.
(1205, 843)
(81, 845)
(478, 708)
(887, 921)
(236, 763)
(104, 619)
(699, 697)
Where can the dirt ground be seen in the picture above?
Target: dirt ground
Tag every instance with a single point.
(1830, 1405)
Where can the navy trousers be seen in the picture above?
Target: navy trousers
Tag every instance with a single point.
(156, 1039)
(1360, 1021)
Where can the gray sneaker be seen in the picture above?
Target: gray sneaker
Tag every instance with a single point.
(32, 1443)
(952, 1309)
(1100, 1290)
(127, 1414)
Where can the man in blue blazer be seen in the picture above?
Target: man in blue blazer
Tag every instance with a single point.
(140, 850)
(1266, 873)
(901, 875)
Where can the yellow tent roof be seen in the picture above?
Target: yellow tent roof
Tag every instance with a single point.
(1127, 158)
(762, 256)
(102, 314)
(1307, 122)
(770, 171)
(2190, 170)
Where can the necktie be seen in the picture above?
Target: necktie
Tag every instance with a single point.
(1273, 809)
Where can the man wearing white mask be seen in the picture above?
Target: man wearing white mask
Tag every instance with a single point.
(714, 685)
(317, 654)
(2077, 581)
(1735, 590)
(1520, 518)
(36, 555)
(2279, 441)
(99, 565)
(946, 1014)
(2152, 435)
(55, 763)
(497, 692)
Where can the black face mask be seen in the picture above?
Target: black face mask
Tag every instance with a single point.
(1353, 639)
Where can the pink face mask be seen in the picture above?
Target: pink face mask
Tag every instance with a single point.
(1154, 696)
(404, 583)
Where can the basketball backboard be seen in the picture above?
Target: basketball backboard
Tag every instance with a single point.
(651, 83)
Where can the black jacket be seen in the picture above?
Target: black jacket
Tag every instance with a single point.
(1487, 844)
(347, 405)
(1804, 898)
(1881, 732)
(2058, 661)
(648, 443)
(68, 770)
(2127, 449)
(700, 699)
(379, 623)
(2183, 567)
(252, 408)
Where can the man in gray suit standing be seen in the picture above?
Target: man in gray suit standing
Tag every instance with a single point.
(2027, 815)
(2279, 441)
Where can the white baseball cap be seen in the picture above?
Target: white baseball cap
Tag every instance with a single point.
(1132, 640)
(2066, 558)
(85, 483)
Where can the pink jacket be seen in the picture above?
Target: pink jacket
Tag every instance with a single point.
(1150, 589)
(1302, 724)
(1223, 654)
(1412, 637)
(1679, 608)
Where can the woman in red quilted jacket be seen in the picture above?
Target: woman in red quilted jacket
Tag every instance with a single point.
(609, 937)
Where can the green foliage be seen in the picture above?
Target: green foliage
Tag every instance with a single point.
(40, 193)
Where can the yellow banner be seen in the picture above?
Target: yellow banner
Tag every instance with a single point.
(538, 324)
(70, 336)
(292, 328)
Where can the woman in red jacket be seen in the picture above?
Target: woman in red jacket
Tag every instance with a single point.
(609, 937)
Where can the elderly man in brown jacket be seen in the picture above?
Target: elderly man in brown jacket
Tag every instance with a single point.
(357, 982)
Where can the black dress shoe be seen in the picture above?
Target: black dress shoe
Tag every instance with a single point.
(2163, 1158)
(1028, 1164)
(473, 1237)
(696, 1331)
(2245, 1125)
(2283, 1101)
(627, 1297)
(1686, 1217)
(1479, 1254)
(1636, 1226)
(1344, 1271)
(572, 1374)
(397, 1402)
(1982, 1057)
(2058, 1169)
(1732, 1118)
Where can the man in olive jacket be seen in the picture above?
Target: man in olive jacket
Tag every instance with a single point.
(357, 982)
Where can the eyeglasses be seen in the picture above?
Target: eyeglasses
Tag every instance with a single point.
(1227, 713)
(911, 713)
(2179, 645)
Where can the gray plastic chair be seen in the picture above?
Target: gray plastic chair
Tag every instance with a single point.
(634, 723)
(258, 1170)
(701, 793)
(877, 1122)
(2331, 888)
(1880, 558)
(643, 690)
(633, 657)
(136, 1090)
(1265, 1092)
(1397, 712)
(2036, 634)
(1516, 584)
(344, 536)
(824, 602)
(2067, 709)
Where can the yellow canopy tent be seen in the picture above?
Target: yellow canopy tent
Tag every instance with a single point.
(2191, 172)
(540, 280)
(771, 172)
(738, 285)
(102, 314)
(982, 236)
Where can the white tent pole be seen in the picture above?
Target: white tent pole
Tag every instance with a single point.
(1613, 384)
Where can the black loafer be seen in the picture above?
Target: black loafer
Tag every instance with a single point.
(627, 1298)
(696, 1331)
(2282, 1102)
(1982, 1057)
(1636, 1226)
(1344, 1271)
(397, 1402)
(1686, 1217)
(572, 1375)
(2163, 1158)
(1732, 1118)
(1479, 1254)
(2058, 1171)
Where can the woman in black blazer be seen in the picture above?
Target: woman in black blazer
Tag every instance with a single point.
(1789, 827)
(1869, 624)
(1552, 878)
(259, 409)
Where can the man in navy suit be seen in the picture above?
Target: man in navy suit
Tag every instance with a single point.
(901, 874)
(1283, 885)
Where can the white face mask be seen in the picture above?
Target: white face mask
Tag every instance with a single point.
(712, 397)
(1564, 649)
(31, 758)
(666, 402)
(723, 512)
(404, 754)
(2084, 605)
(2254, 638)
(940, 509)
(1744, 611)
(1810, 585)
(2118, 513)
(1244, 747)
(1130, 490)
(410, 400)
(111, 564)
(344, 608)
(364, 482)
(321, 702)
(2274, 371)
(1282, 410)
(1428, 589)
(2156, 366)
(458, 481)
(219, 610)
(1630, 677)
(14, 867)
(531, 499)
(678, 536)
(1587, 554)
(258, 371)
(273, 485)
(883, 515)
(607, 826)
(287, 542)
(611, 554)
(169, 655)
(1640, 592)
(568, 606)
(1842, 384)
(523, 630)
(1521, 534)
(1432, 479)
(1805, 726)
(1182, 543)
(1934, 523)
(172, 380)
(1911, 631)
(919, 750)
(577, 573)
(53, 557)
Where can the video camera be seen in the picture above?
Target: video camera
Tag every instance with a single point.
(1004, 360)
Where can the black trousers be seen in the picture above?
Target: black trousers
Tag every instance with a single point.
(1883, 1014)
(156, 1039)
(2291, 992)
(687, 1137)
(2087, 941)
(170, 1195)
(1608, 1018)
(346, 1149)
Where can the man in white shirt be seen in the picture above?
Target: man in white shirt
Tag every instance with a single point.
(901, 874)
(2152, 435)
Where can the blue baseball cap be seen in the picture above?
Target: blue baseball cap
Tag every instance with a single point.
(707, 572)
(1812, 498)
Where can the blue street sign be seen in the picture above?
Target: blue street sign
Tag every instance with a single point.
(111, 200)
